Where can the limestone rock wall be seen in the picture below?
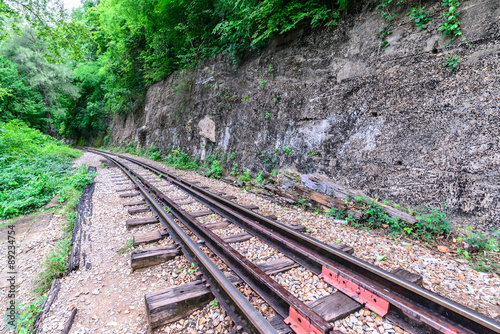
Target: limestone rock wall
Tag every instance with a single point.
(395, 124)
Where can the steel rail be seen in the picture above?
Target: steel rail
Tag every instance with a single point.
(236, 305)
(427, 309)
(304, 319)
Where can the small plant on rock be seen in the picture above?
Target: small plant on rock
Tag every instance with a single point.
(451, 25)
(287, 150)
(420, 17)
(452, 62)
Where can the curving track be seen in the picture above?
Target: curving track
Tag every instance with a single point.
(404, 303)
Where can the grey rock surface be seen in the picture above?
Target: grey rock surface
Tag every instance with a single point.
(394, 124)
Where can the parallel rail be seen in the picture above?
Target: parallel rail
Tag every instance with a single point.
(377, 289)
(235, 304)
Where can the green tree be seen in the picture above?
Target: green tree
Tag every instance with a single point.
(20, 100)
(53, 81)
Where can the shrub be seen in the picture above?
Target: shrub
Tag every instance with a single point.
(216, 169)
(180, 160)
(31, 168)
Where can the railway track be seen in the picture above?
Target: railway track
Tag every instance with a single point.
(404, 303)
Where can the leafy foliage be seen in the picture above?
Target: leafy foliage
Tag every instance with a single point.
(420, 17)
(451, 27)
(480, 242)
(452, 62)
(180, 160)
(430, 222)
(216, 170)
(31, 168)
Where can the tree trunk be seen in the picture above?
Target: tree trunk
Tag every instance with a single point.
(49, 116)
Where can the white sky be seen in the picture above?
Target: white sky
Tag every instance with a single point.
(70, 4)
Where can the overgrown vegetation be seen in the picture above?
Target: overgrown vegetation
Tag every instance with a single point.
(32, 166)
(480, 249)
(431, 222)
(33, 169)
(452, 62)
(56, 262)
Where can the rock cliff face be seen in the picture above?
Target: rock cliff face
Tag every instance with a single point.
(395, 124)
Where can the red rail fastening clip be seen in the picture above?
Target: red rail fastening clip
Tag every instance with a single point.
(300, 324)
(356, 292)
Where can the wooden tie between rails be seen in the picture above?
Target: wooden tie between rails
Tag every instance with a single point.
(143, 258)
(129, 195)
(157, 235)
(134, 203)
(176, 302)
(131, 223)
(134, 211)
(124, 189)
(149, 237)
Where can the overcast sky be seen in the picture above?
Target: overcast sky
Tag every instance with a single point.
(70, 4)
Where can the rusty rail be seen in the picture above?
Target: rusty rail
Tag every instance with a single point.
(379, 290)
(235, 304)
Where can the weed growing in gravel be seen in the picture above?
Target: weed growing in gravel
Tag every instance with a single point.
(245, 177)
(26, 316)
(181, 160)
(128, 245)
(259, 180)
(216, 170)
(430, 222)
(337, 213)
(481, 242)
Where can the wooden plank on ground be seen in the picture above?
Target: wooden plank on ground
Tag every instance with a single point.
(142, 258)
(185, 202)
(237, 238)
(229, 197)
(131, 223)
(410, 277)
(277, 266)
(147, 237)
(327, 187)
(180, 198)
(124, 189)
(197, 214)
(130, 195)
(134, 211)
(134, 203)
(218, 225)
(251, 207)
(343, 247)
(176, 302)
(272, 216)
(335, 306)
